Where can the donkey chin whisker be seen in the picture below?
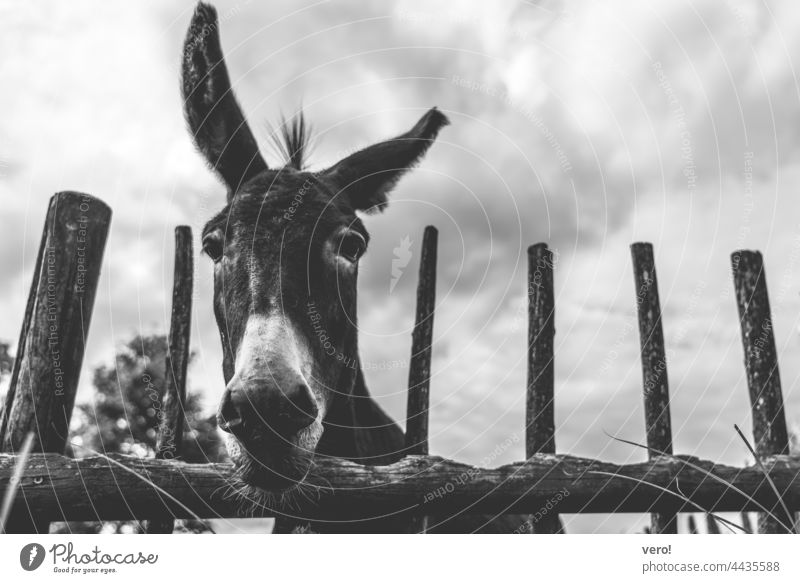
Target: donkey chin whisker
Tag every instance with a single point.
(228, 491)
(252, 500)
(316, 482)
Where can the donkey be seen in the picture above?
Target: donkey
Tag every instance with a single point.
(286, 249)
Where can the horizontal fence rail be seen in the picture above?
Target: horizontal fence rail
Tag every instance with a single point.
(121, 487)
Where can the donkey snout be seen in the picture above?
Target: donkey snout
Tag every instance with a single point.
(292, 409)
(259, 407)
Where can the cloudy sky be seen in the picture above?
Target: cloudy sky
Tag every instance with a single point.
(587, 125)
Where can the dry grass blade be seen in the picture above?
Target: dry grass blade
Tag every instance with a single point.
(761, 467)
(146, 481)
(706, 473)
(710, 517)
(668, 491)
(13, 485)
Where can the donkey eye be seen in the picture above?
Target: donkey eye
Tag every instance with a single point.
(352, 246)
(212, 245)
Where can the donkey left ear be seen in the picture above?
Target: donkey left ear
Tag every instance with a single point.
(365, 178)
(215, 119)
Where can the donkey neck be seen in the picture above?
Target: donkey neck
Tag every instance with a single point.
(358, 429)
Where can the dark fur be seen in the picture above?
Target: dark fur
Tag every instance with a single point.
(273, 230)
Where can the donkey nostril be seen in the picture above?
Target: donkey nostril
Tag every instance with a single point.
(301, 409)
(265, 409)
(229, 419)
(232, 426)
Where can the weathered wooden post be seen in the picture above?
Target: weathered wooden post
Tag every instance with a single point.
(761, 364)
(419, 374)
(170, 433)
(539, 408)
(654, 367)
(50, 353)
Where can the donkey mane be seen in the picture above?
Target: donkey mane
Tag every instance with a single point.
(292, 140)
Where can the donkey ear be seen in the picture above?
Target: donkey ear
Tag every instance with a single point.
(365, 178)
(215, 119)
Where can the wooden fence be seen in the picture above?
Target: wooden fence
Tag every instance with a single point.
(53, 487)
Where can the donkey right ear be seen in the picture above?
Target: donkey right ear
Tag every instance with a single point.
(215, 119)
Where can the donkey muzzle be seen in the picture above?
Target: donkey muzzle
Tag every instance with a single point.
(262, 408)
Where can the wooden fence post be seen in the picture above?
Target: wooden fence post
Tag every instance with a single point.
(654, 367)
(761, 364)
(419, 373)
(50, 354)
(539, 408)
(170, 433)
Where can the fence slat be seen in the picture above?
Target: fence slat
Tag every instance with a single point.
(654, 367)
(55, 328)
(170, 434)
(761, 364)
(539, 407)
(692, 525)
(712, 526)
(746, 524)
(419, 373)
(56, 486)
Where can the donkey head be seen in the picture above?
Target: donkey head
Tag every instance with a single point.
(285, 249)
